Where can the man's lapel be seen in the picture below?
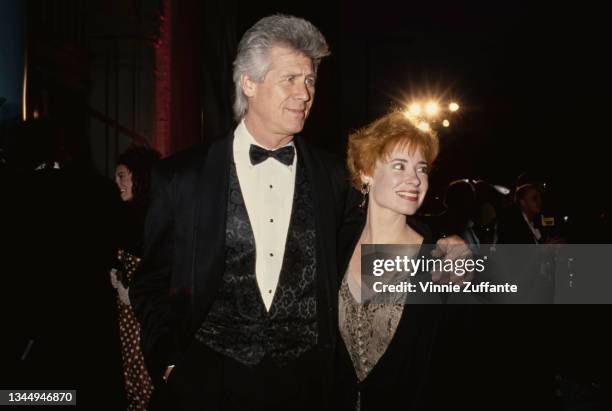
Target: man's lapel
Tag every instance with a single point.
(325, 224)
(322, 193)
(209, 233)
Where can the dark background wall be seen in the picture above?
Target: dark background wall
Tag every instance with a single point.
(12, 39)
(530, 79)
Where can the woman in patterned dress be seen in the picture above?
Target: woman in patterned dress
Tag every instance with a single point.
(387, 348)
(132, 177)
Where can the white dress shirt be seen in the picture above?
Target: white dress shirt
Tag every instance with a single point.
(267, 189)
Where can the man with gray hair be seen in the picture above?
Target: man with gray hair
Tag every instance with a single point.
(237, 291)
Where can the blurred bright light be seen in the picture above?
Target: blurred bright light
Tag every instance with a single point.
(423, 126)
(446, 123)
(453, 106)
(414, 109)
(501, 189)
(432, 108)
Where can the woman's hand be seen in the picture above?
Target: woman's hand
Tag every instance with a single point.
(124, 296)
(113, 278)
(451, 248)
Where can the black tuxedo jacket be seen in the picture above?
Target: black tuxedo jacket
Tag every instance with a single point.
(513, 229)
(184, 250)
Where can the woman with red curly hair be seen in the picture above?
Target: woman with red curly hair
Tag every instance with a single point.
(387, 347)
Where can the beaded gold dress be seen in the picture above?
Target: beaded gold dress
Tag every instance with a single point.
(138, 385)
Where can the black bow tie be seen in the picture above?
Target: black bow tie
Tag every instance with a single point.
(284, 155)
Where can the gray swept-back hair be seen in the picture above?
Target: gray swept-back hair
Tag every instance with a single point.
(276, 30)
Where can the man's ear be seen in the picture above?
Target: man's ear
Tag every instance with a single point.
(248, 85)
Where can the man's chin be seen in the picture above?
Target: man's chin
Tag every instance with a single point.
(296, 128)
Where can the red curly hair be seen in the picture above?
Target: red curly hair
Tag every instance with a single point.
(379, 139)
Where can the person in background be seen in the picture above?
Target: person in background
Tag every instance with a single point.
(460, 215)
(486, 212)
(519, 224)
(60, 317)
(132, 176)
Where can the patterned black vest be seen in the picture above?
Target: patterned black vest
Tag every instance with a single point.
(238, 325)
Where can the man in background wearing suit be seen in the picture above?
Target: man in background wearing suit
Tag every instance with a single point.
(519, 225)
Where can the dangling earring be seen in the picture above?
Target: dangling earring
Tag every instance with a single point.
(365, 190)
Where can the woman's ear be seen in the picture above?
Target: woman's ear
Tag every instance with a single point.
(366, 179)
